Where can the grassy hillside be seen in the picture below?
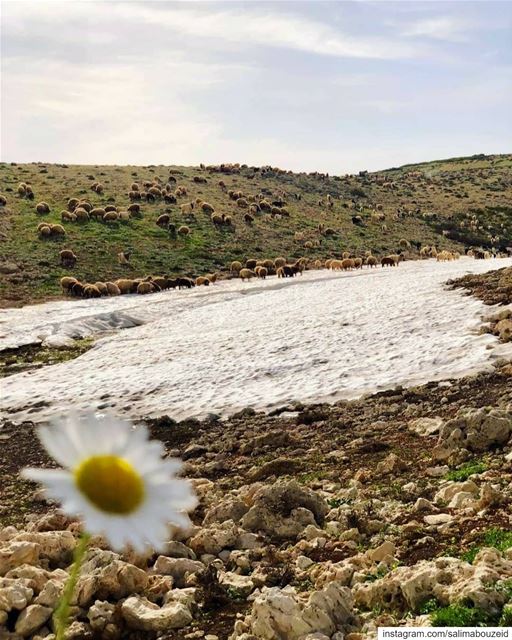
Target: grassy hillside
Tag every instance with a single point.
(450, 203)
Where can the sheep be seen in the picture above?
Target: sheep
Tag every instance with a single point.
(217, 219)
(97, 212)
(22, 190)
(345, 254)
(135, 187)
(261, 272)
(145, 287)
(102, 288)
(67, 258)
(133, 209)
(57, 230)
(248, 219)
(358, 263)
(135, 195)
(42, 208)
(110, 216)
(254, 208)
(246, 274)
(123, 257)
(265, 206)
(347, 264)
(81, 215)
(155, 191)
(207, 207)
(184, 283)
(251, 263)
(404, 244)
(242, 203)
(91, 291)
(124, 285)
(371, 261)
(163, 220)
(77, 290)
(358, 221)
(67, 216)
(66, 283)
(212, 277)
(327, 263)
(160, 283)
(388, 261)
(184, 230)
(397, 257)
(235, 266)
(123, 216)
(202, 281)
(279, 262)
(3, 200)
(110, 207)
(85, 204)
(112, 289)
(200, 180)
(268, 264)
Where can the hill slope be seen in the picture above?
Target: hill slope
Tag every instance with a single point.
(450, 203)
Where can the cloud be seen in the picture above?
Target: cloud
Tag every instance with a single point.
(449, 28)
(243, 27)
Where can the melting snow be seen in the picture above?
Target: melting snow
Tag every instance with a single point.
(217, 349)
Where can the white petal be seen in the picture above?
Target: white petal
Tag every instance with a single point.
(57, 441)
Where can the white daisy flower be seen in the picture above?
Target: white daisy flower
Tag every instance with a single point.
(115, 479)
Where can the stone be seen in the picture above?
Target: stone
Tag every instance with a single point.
(284, 509)
(391, 464)
(426, 426)
(50, 593)
(141, 614)
(242, 585)
(17, 552)
(476, 430)
(178, 568)
(57, 546)
(215, 538)
(383, 553)
(438, 519)
(14, 594)
(450, 489)
(31, 619)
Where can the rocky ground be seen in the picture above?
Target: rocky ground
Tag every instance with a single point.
(317, 522)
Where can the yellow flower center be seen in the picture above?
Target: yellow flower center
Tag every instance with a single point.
(110, 483)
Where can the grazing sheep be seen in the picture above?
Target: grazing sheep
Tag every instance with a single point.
(246, 274)
(254, 208)
(91, 291)
(184, 230)
(97, 212)
(217, 219)
(279, 262)
(123, 216)
(102, 288)
(57, 230)
(145, 287)
(112, 289)
(212, 277)
(163, 220)
(67, 258)
(404, 244)
(265, 206)
(22, 190)
(110, 216)
(85, 204)
(81, 215)
(251, 263)
(66, 283)
(207, 207)
(228, 221)
(124, 285)
(371, 261)
(77, 290)
(135, 195)
(3, 200)
(388, 261)
(327, 263)
(242, 203)
(235, 266)
(347, 264)
(200, 180)
(67, 216)
(397, 258)
(345, 254)
(123, 257)
(133, 209)
(358, 263)
(72, 204)
(42, 208)
(202, 281)
(261, 272)
(135, 187)
(248, 219)
(358, 221)
(184, 283)
(110, 207)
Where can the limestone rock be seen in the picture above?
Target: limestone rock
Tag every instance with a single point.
(17, 552)
(242, 585)
(476, 430)
(178, 568)
(215, 538)
(31, 618)
(140, 614)
(426, 426)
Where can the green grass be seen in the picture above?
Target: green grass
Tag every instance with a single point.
(466, 470)
(446, 192)
(458, 615)
(35, 356)
(494, 537)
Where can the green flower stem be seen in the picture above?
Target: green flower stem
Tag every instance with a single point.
(61, 615)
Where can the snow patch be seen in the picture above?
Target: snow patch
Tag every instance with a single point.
(318, 337)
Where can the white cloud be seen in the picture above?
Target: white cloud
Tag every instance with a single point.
(449, 28)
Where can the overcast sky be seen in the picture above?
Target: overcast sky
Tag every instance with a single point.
(334, 86)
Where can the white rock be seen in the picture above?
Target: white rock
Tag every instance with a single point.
(31, 618)
(141, 614)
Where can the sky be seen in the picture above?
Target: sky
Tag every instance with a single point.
(310, 86)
